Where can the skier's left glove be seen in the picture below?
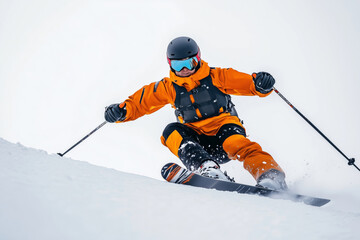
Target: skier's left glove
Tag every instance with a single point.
(264, 82)
(115, 112)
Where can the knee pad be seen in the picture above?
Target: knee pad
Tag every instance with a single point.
(228, 130)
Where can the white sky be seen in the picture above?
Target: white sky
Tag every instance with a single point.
(62, 62)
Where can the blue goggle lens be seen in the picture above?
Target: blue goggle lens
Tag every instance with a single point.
(190, 64)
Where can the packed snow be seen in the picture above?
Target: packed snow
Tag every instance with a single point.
(45, 196)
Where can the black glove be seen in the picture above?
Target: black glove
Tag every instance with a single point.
(114, 112)
(264, 82)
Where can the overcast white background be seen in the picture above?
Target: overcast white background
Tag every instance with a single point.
(62, 62)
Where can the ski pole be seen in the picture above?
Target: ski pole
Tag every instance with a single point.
(97, 128)
(351, 161)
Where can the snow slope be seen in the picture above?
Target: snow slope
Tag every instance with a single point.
(48, 197)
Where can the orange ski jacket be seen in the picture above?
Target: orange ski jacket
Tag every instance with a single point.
(154, 96)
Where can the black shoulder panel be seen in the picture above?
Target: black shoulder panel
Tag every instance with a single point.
(157, 84)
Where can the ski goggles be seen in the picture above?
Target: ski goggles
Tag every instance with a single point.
(189, 63)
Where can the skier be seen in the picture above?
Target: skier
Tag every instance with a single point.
(208, 131)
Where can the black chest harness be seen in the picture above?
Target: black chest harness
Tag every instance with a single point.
(202, 102)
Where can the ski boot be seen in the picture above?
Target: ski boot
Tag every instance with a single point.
(272, 179)
(211, 169)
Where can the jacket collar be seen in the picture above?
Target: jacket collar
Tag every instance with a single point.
(193, 80)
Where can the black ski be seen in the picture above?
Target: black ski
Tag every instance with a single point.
(174, 173)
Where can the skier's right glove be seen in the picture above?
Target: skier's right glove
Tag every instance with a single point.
(115, 112)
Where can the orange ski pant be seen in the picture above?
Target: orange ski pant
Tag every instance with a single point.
(255, 160)
(231, 142)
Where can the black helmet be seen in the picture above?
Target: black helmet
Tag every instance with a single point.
(182, 47)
